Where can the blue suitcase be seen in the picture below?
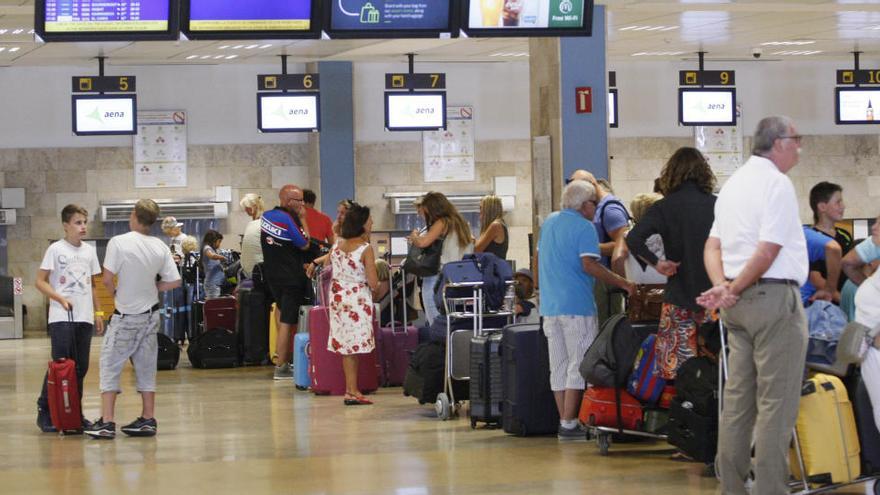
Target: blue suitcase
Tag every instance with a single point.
(528, 406)
(301, 361)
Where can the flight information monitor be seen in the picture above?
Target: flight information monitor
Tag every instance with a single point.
(254, 19)
(106, 20)
(288, 112)
(99, 115)
(707, 106)
(856, 105)
(389, 18)
(527, 17)
(415, 111)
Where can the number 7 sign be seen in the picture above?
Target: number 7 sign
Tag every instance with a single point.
(584, 99)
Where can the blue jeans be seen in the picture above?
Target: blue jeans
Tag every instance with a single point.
(430, 305)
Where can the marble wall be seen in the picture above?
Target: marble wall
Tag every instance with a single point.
(852, 161)
(54, 177)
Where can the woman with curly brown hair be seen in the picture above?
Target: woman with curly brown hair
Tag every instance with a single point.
(683, 219)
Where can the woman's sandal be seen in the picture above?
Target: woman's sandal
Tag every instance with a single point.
(353, 400)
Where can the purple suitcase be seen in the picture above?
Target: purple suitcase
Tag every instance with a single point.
(395, 342)
(325, 367)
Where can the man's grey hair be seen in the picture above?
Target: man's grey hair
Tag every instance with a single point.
(769, 130)
(576, 193)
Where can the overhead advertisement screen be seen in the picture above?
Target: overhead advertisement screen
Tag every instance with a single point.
(104, 115)
(250, 15)
(707, 106)
(552, 16)
(72, 16)
(369, 18)
(856, 105)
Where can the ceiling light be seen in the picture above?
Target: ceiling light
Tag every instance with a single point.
(236, 47)
(18, 31)
(788, 43)
(218, 57)
(224, 47)
(192, 57)
(656, 54)
(4, 31)
(2, 48)
(205, 57)
(648, 28)
(230, 57)
(798, 52)
(267, 45)
(251, 47)
(31, 31)
(15, 49)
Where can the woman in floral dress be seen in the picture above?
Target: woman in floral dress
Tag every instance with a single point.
(351, 299)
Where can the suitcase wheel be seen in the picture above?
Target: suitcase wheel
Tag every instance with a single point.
(443, 407)
(473, 423)
(591, 420)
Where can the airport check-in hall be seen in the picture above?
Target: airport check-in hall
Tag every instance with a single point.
(424, 247)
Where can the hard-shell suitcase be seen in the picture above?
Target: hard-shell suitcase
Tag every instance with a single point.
(253, 326)
(302, 325)
(599, 408)
(174, 314)
(169, 353)
(826, 433)
(396, 341)
(63, 394)
(644, 384)
(694, 433)
(529, 407)
(219, 313)
(301, 361)
(697, 382)
(325, 367)
(486, 387)
(216, 348)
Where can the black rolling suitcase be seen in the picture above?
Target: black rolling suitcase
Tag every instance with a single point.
(169, 353)
(693, 415)
(529, 407)
(485, 387)
(216, 348)
(253, 326)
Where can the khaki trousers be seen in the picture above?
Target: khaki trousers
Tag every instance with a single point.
(607, 305)
(767, 336)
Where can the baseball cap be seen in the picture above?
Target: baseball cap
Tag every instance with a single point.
(170, 223)
(525, 272)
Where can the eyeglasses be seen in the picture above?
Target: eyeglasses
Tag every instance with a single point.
(298, 200)
(796, 137)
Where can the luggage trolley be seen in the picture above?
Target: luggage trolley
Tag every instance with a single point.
(802, 486)
(463, 300)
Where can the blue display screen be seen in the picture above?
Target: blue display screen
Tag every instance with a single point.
(115, 16)
(250, 15)
(389, 15)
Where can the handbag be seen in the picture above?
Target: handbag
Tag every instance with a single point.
(646, 303)
(424, 262)
(854, 341)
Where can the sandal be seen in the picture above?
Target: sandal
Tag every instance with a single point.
(354, 400)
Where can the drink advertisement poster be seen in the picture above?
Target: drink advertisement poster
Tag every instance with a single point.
(389, 14)
(449, 155)
(160, 149)
(722, 145)
(539, 14)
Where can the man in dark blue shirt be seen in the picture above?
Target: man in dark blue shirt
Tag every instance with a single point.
(284, 239)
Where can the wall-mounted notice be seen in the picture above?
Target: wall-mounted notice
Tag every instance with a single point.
(449, 155)
(722, 145)
(160, 149)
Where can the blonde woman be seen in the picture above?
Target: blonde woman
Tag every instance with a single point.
(444, 222)
(251, 252)
(493, 230)
(623, 262)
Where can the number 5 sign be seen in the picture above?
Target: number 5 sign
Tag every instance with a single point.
(584, 99)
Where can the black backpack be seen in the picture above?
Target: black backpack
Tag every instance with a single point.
(697, 382)
(216, 348)
(609, 360)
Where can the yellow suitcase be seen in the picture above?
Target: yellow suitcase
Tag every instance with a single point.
(825, 433)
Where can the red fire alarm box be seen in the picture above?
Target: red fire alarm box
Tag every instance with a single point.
(584, 99)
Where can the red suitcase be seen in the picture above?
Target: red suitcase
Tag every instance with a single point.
(219, 313)
(325, 367)
(64, 404)
(396, 342)
(599, 408)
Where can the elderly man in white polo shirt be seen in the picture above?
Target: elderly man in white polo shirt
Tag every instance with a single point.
(756, 258)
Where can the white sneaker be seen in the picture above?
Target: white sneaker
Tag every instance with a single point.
(283, 372)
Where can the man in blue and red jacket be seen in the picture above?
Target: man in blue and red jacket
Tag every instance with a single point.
(284, 239)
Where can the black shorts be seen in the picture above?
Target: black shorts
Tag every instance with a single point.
(288, 298)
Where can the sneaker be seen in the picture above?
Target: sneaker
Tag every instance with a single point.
(44, 421)
(141, 428)
(283, 372)
(100, 429)
(575, 434)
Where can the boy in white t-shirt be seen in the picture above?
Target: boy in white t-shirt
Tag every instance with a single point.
(135, 259)
(66, 278)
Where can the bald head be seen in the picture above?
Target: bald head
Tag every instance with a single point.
(288, 192)
(581, 174)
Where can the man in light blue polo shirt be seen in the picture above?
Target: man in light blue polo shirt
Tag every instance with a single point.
(568, 266)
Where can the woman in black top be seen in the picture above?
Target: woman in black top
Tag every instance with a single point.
(493, 231)
(683, 219)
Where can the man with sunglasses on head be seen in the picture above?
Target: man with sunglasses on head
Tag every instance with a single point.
(756, 259)
(611, 220)
(284, 239)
